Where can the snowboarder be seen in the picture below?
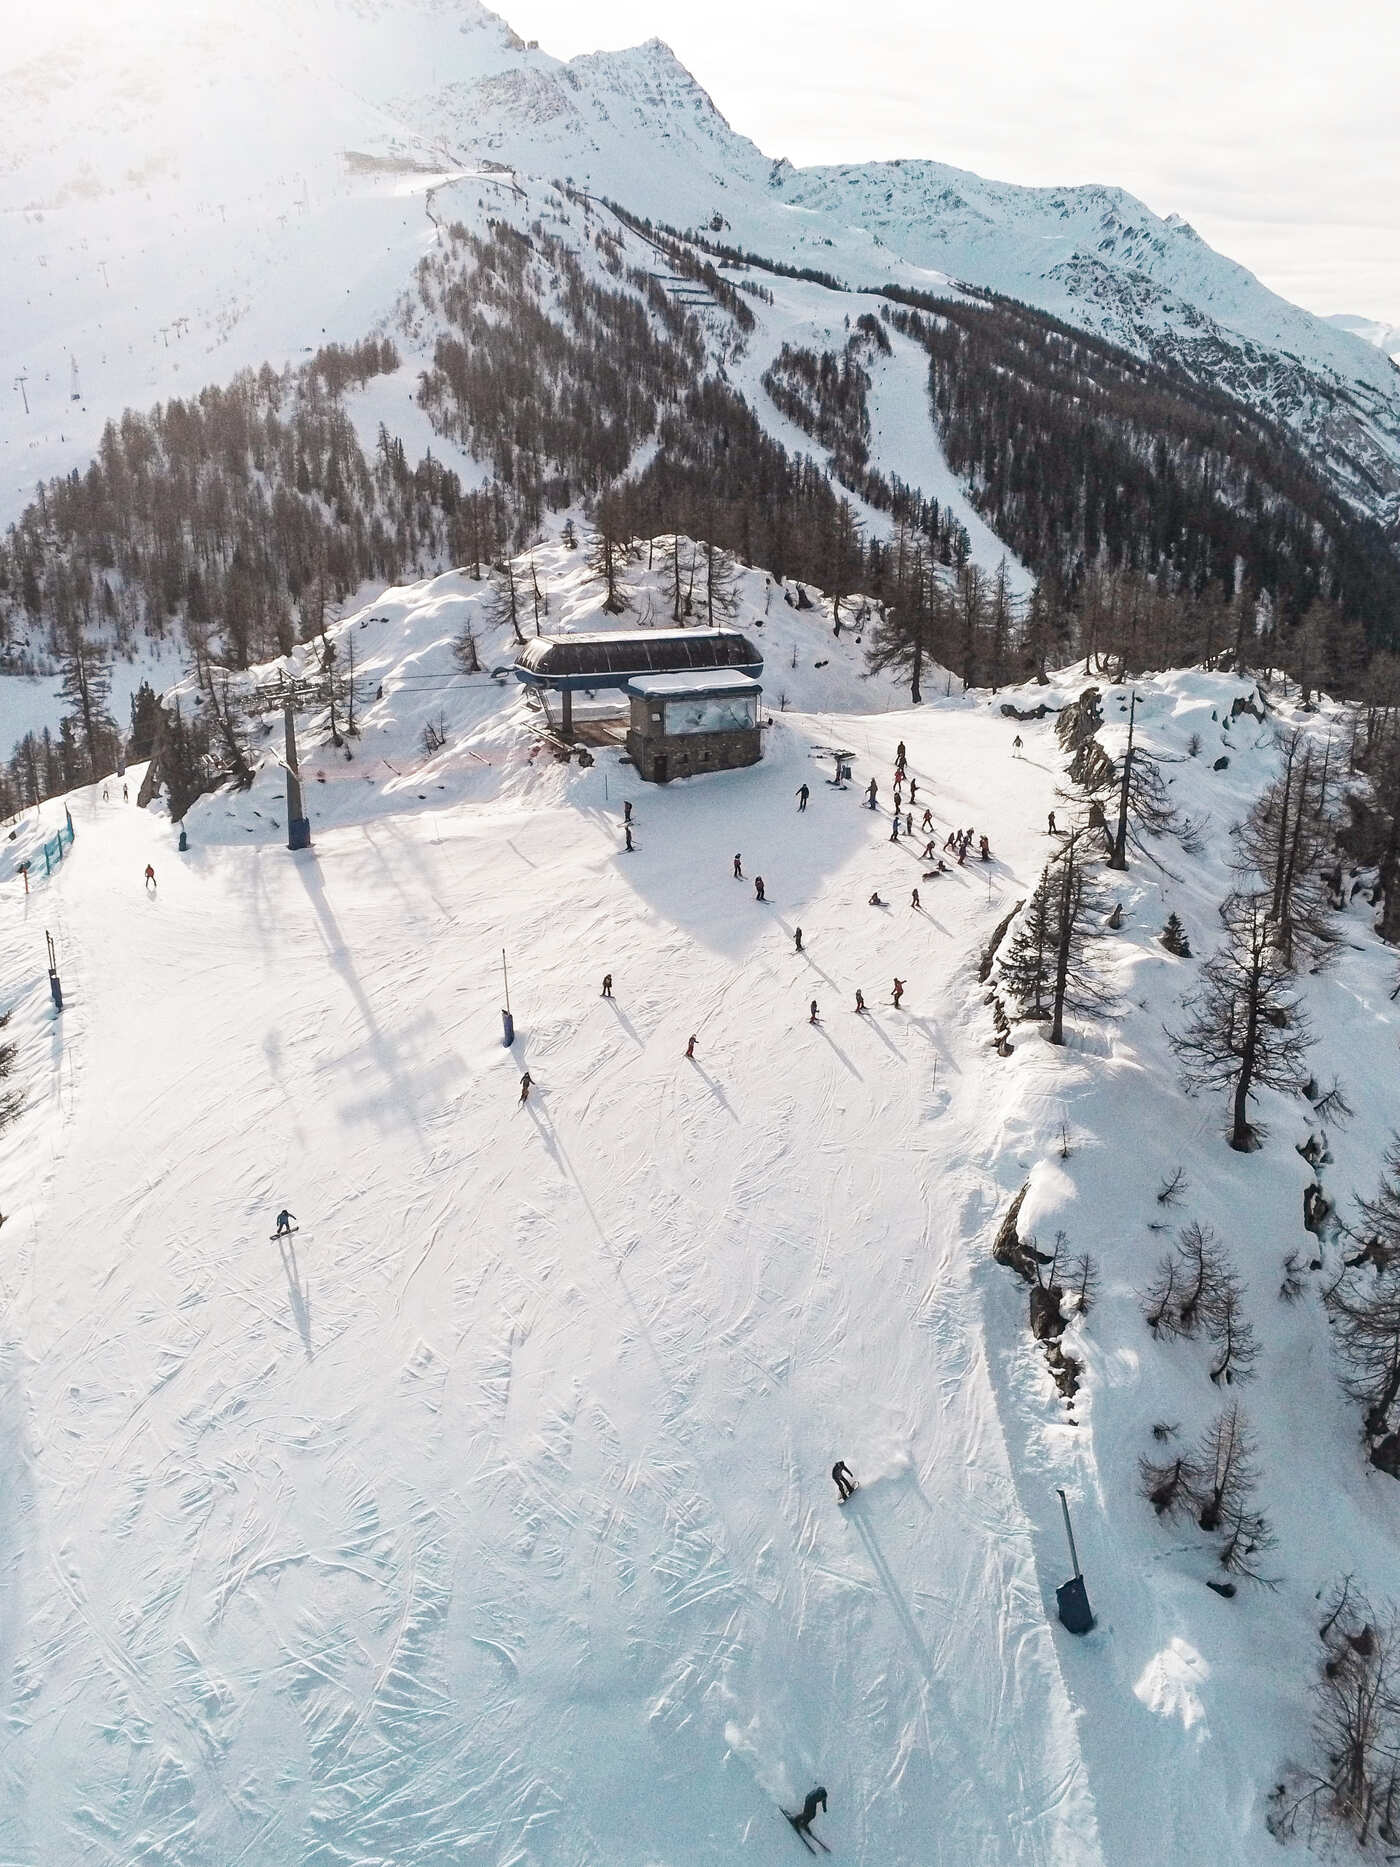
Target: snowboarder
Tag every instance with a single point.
(758, 894)
(871, 794)
(690, 1047)
(860, 999)
(284, 1223)
(812, 1015)
(898, 990)
(802, 795)
(527, 1082)
(797, 938)
(607, 985)
(1016, 745)
(875, 900)
(802, 1824)
(150, 876)
(845, 1478)
(738, 869)
(627, 832)
(1052, 830)
(916, 903)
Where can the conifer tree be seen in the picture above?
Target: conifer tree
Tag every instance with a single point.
(1245, 1029)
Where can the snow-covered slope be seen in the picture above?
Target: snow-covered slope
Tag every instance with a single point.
(490, 1519)
(1385, 337)
(175, 190)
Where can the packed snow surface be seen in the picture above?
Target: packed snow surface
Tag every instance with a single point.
(488, 1518)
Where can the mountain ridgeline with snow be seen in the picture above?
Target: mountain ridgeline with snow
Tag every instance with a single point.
(993, 1089)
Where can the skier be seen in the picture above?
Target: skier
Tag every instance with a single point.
(797, 938)
(898, 990)
(900, 756)
(627, 832)
(929, 850)
(626, 811)
(527, 1082)
(913, 790)
(1016, 745)
(908, 823)
(985, 850)
(607, 985)
(690, 1047)
(812, 1015)
(284, 1223)
(915, 903)
(104, 794)
(816, 1799)
(845, 1478)
(150, 876)
(894, 828)
(802, 795)
(1052, 830)
(758, 888)
(872, 794)
(126, 795)
(898, 797)
(860, 999)
(738, 869)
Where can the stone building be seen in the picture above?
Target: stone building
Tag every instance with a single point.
(684, 723)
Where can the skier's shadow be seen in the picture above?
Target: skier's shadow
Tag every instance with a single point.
(865, 1530)
(623, 1020)
(713, 1088)
(297, 1293)
(822, 1031)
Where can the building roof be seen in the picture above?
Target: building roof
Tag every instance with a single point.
(619, 656)
(674, 686)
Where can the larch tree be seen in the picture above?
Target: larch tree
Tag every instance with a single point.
(1245, 1028)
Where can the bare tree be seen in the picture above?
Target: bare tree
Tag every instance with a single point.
(1287, 837)
(1234, 1338)
(1245, 1029)
(1229, 1476)
(1365, 1310)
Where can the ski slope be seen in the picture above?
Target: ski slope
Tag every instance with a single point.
(490, 1519)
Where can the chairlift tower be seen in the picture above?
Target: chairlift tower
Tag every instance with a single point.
(298, 823)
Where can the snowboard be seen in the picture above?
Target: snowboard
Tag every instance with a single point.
(809, 1841)
(846, 1500)
(290, 1231)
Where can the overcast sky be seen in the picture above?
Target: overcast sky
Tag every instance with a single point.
(1274, 128)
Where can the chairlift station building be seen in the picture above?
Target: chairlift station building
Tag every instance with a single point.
(693, 693)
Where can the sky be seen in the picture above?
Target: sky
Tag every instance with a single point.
(1274, 128)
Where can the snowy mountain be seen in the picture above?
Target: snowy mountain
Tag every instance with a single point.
(488, 1517)
(1385, 337)
(212, 171)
